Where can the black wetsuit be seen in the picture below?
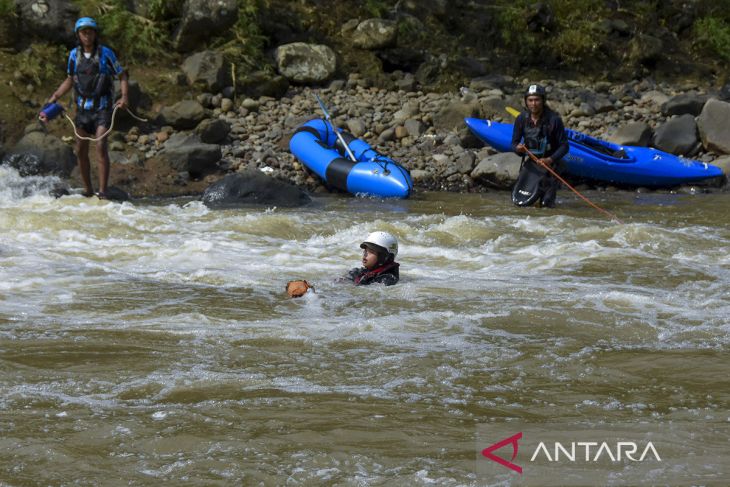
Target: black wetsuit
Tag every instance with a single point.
(385, 274)
(546, 138)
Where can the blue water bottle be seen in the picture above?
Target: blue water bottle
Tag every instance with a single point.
(51, 110)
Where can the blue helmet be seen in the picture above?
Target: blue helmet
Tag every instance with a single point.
(84, 23)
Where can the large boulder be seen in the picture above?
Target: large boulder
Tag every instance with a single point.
(685, 103)
(253, 188)
(634, 133)
(40, 153)
(261, 83)
(306, 63)
(206, 69)
(213, 131)
(137, 97)
(183, 115)
(677, 136)
(646, 49)
(51, 20)
(494, 106)
(187, 153)
(202, 19)
(375, 34)
(723, 163)
(714, 127)
(500, 170)
(452, 115)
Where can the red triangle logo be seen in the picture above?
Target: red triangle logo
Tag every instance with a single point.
(487, 452)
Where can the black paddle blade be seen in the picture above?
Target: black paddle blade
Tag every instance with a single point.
(526, 191)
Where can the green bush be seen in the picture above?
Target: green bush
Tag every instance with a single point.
(571, 37)
(713, 34)
(134, 37)
(7, 8)
(243, 43)
(41, 62)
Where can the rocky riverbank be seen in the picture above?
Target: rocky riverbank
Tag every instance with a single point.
(193, 143)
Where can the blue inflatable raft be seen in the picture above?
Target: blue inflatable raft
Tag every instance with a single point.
(604, 161)
(316, 145)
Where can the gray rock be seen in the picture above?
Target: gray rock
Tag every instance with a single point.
(201, 19)
(183, 115)
(187, 153)
(114, 193)
(655, 97)
(305, 63)
(262, 83)
(386, 135)
(419, 175)
(337, 85)
(677, 136)
(375, 34)
(205, 69)
(39, 153)
(603, 104)
(645, 49)
(500, 170)
(723, 163)
(714, 127)
(685, 103)
(51, 20)
(250, 105)
(252, 187)
(634, 133)
(415, 128)
(407, 83)
(410, 109)
(213, 131)
(453, 114)
(205, 99)
(226, 105)
(493, 106)
(464, 163)
(356, 127)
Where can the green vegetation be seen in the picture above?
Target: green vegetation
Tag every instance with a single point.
(139, 38)
(713, 34)
(243, 43)
(7, 8)
(376, 8)
(134, 37)
(565, 30)
(41, 62)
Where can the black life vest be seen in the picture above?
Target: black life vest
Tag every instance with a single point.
(91, 81)
(389, 267)
(536, 137)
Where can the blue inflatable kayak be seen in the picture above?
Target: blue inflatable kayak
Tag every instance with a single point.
(316, 145)
(604, 161)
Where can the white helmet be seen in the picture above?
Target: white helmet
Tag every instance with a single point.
(381, 242)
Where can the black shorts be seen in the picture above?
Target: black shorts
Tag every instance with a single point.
(89, 121)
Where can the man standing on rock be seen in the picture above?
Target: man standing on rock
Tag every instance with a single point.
(540, 130)
(91, 69)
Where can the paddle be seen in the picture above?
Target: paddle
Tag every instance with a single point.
(337, 132)
(546, 166)
(537, 161)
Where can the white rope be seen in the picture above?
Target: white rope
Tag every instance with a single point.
(114, 114)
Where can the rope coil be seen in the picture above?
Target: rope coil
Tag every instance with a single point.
(111, 127)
